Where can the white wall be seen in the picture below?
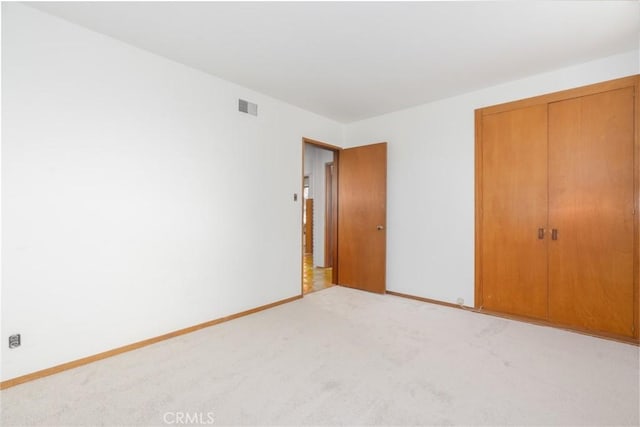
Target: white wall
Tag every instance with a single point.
(136, 199)
(430, 226)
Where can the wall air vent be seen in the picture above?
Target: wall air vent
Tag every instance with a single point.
(247, 107)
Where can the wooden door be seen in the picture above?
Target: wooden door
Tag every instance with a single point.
(591, 206)
(362, 195)
(514, 212)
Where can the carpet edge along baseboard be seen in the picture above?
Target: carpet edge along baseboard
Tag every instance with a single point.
(611, 337)
(109, 353)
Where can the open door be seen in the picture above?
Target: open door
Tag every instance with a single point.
(362, 214)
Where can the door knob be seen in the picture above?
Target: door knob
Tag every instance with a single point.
(380, 227)
(540, 233)
(554, 234)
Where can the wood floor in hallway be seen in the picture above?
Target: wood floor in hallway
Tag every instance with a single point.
(315, 278)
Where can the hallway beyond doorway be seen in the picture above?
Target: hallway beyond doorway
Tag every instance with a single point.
(315, 278)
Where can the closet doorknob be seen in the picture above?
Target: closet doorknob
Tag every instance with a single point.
(540, 233)
(554, 234)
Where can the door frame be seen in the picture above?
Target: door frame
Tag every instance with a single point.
(336, 161)
(331, 214)
(631, 81)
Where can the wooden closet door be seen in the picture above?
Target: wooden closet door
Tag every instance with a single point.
(591, 206)
(514, 208)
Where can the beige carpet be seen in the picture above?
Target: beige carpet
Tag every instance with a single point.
(344, 357)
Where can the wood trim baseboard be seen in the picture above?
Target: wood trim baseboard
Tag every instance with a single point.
(430, 301)
(539, 322)
(109, 353)
(611, 337)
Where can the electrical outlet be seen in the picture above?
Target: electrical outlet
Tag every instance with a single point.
(14, 341)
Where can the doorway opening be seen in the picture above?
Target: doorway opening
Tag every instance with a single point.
(319, 218)
(344, 216)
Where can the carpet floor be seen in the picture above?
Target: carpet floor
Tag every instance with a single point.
(345, 357)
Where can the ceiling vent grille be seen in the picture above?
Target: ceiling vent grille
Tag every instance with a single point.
(247, 107)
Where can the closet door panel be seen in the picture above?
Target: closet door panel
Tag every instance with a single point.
(591, 206)
(514, 208)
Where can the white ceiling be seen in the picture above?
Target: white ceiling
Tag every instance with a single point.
(353, 60)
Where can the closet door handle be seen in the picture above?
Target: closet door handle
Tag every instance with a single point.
(540, 233)
(554, 234)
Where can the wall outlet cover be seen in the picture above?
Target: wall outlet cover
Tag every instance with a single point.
(14, 341)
